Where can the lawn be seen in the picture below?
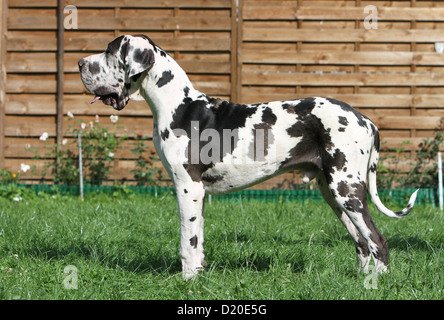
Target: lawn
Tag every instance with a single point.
(127, 247)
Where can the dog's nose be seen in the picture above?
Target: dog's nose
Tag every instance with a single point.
(81, 63)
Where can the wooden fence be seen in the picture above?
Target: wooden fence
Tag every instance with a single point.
(247, 51)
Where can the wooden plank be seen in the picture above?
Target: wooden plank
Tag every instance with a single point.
(46, 19)
(26, 126)
(40, 41)
(30, 3)
(194, 44)
(39, 62)
(30, 147)
(126, 127)
(343, 79)
(343, 58)
(150, 3)
(406, 122)
(35, 126)
(290, 11)
(30, 84)
(30, 104)
(99, 44)
(41, 19)
(335, 35)
(125, 3)
(141, 23)
(121, 169)
(27, 148)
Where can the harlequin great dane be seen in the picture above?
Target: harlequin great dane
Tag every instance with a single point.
(215, 146)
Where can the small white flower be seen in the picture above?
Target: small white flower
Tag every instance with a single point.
(64, 141)
(24, 167)
(15, 256)
(17, 199)
(114, 118)
(83, 125)
(44, 136)
(70, 115)
(111, 155)
(27, 146)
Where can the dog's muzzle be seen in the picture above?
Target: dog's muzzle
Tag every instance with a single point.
(108, 97)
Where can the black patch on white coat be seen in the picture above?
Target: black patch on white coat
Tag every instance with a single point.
(94, 68)
(210, 114)
(346, 107)
(268, 116)
(314, 147)
(114, 45)
(165, 134)
(210, 179)
(186, 91)
(193, 242)
(343, 120)
(166, 77)
(124, 51)
(145, 59)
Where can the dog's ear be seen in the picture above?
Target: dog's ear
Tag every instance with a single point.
(139, 56)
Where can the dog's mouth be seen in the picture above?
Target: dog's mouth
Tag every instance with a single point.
(111, 99)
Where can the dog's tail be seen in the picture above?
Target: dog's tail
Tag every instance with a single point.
(373, 190)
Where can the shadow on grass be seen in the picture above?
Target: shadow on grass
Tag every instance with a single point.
(123, 258)
(166, 261)
(163, 261)
(413, 242)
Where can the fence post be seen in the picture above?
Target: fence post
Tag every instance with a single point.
(440, 180)
(236, 44)
(80, 165)
(3, 31)
(60, 74)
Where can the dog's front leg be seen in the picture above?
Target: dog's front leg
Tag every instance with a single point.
(190, 198)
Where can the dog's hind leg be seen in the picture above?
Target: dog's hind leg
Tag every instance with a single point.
(190, 197)
(351, 197)
(362, 250)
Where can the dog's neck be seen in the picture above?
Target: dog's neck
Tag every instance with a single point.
(164, 88)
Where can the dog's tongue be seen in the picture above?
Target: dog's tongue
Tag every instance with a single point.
(95, 99)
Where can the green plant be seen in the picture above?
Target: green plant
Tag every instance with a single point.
(98, 150)
(424, 169)
(8, 177)
(16, 193)
(388, 176)
(61, 163)
(145, 173)
(424, 173)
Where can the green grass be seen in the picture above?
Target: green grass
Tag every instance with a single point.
(129, 249)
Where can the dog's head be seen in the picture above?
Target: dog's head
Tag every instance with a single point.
(114, 76)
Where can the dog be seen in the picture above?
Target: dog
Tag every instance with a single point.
(212, 146)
